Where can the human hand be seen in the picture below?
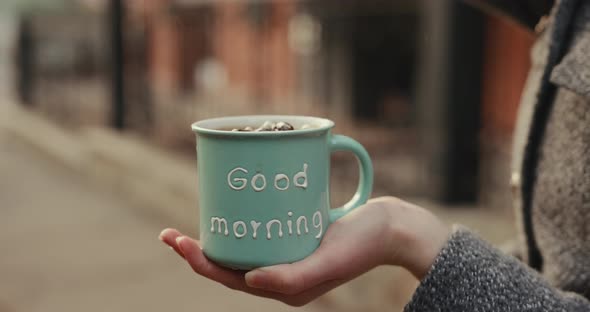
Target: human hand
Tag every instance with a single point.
(384, 231)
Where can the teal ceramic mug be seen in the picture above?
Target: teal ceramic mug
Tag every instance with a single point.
(264, 197)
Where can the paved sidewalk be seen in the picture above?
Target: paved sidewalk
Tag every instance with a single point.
(67, 246)
(80, 211)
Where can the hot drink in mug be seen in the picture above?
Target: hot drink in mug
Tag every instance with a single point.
(264, 187)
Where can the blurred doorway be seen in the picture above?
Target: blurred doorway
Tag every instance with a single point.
(383, 65)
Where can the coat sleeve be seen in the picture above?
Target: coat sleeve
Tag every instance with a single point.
(471, 275)
(525, 12)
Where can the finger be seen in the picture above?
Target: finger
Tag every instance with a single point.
(169, 236)
(292, 278)
(297, 300)
(382, 199)
(203, 266)
(308, 295)
(235, 279)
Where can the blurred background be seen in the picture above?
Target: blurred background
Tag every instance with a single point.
(97, 156)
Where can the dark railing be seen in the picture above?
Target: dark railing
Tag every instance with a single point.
(117, 64)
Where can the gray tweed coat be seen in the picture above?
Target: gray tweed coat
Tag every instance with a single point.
(551, 184)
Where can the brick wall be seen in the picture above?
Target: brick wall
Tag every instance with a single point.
(177, 41)
(255, 52)
(506, 66)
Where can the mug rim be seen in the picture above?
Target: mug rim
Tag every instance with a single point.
(212, 125)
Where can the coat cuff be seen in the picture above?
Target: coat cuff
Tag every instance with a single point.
(471, 275)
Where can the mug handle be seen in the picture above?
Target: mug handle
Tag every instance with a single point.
(363, 191)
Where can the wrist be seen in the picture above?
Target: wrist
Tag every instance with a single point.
(415, 237)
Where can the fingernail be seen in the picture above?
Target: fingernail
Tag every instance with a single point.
(162, 233)
(256, 279)
(178, 242)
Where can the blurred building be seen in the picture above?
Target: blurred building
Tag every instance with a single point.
(62, 65)
(345, 57)
(505, 68)
(431, 87)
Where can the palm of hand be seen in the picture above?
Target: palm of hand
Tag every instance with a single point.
(352, 246)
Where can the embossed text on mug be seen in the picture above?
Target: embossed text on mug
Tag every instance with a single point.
(237, 180)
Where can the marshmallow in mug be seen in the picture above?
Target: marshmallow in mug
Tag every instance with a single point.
(272, 126)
